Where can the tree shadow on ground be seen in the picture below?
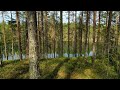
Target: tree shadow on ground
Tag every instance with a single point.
(20, 71)
(53, 74)
(4, 63)
(70, 69)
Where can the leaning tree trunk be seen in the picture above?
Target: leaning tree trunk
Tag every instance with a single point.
(19, 34)
(33, 49)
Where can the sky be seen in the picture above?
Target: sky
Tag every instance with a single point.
(7, 16)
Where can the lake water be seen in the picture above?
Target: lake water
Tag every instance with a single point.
(16, 56)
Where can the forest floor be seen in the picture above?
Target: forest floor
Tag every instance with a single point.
(60, 68)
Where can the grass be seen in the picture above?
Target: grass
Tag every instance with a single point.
(60, 68)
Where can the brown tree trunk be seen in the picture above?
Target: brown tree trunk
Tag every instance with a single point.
(46, 33)
(117, 32)
(42, 30)
(94, 35)
(80, 33)
(38, 34)
(75, 38)
(61, 34)
(19, 34)
(106, 36)
(86, 34)
(33, 48)
(11, 26)
(89, 34)
(68, 34)
(0, 54)
(27, 39)
(98, 35)
(54, 40)
(4, 36)
(108, 33)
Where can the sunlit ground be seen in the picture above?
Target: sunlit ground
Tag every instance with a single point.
(60, 68)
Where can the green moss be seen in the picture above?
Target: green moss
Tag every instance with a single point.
(61, 68)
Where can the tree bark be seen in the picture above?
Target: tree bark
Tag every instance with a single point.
(19, 34)
(0, 54)
(61, 34)
(80, 33)
(54, 40)
(89, 33)
(68, 34)
(42, 30)
(4, 36)
(94, 35)
(98, 35)
(75, 38)
(33, 48)
(86, 34)
(27, 39)
(108, 33)
(46, 33)
(11, 26)
(38, 34)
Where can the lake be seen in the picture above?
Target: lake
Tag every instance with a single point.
(50, 55)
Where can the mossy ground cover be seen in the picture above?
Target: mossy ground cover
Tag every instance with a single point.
(60, 68)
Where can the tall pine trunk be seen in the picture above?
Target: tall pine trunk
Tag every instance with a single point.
(46, 33)
(94, 36)
(108, 34)
(89, 34)
(33, 48)
(68, 34)
(98, 36)
(54, 40)
(0, 53)
(75, 38)
(80, 33)
(11, 26)
(61, 34)
(27, 39)
(39, 34)
(86, 34)
(19, 34)
(42, 32)
(4, 36)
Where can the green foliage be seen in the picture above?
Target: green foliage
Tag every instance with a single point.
(106, 70)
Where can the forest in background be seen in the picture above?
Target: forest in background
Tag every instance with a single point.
(38, 35)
